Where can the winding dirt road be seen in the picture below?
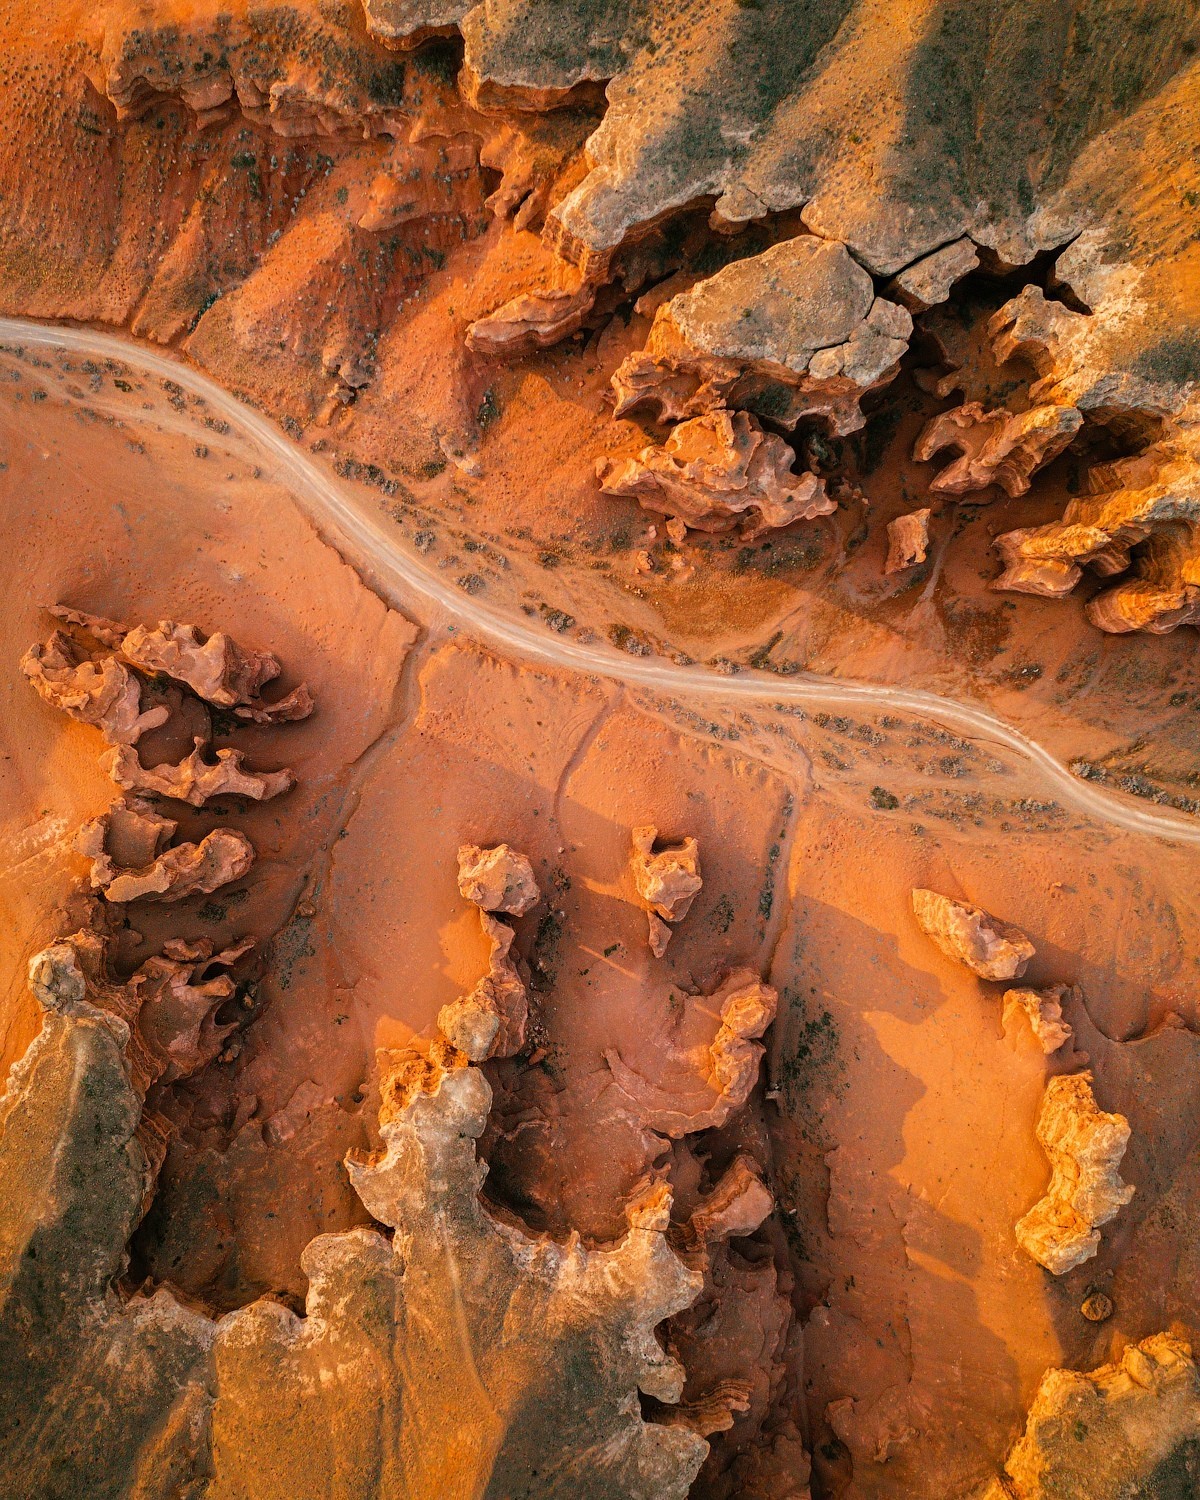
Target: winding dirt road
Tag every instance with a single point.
(351, 525)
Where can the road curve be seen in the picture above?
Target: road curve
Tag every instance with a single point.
(340, 514)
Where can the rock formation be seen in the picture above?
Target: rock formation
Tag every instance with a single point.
(796, 331)
(196, 779)
(131, 860)
(1127, 1428)
(995, 447)
(1099, 531)
(1043, 1010)
(104, 693)
(988, 947)
(701, 1079)
(908, 541)
(1085, 1147)
(497, 879)
(490, 1021)
(667, 882)
(715, 469)
(555, 1342)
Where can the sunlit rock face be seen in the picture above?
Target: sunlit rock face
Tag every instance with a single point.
(598, 779)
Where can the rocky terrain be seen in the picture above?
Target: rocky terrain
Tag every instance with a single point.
(598, 814)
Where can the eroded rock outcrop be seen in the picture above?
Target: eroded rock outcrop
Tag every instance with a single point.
(667, 882)
(104, 693)
(550, 1344)
(196, 779)
(701, 1078)
(1085, 1146)
(131, 860)
(1124, 1429)
(490, 1021)
(1099, 531)
(908, 541)
(995, 447)
(796, 331)
(716, 469)
(497, 879)
(1043, 1011)
(114, 1393)
(988, 947)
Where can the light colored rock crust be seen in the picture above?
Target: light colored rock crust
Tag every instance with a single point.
(715, 470)
(988, 947)
(1108, 1433)
(667, 882)
(995, 447)
(104, 693)
(797, 329)
(1085, 1146)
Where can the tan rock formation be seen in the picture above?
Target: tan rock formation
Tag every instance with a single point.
(216, 669)
(195, 780)
(104, 693)
(988, 947)
(490, 1021)
(995, 447)
(551, 1344)
(908, 541)
(714, 470)
(131, 861)
(701, 1079)
(667, 882)
(534, 320)
(738, 1204)
(1098, 532)
(1108, 1433)
(928, 281)
(1164, 594)
(798, 327)
(1043, 1010)
(497, 879)
(1085, 1147)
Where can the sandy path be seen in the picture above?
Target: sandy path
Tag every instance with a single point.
(351, 526)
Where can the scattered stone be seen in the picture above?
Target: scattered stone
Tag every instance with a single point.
(1043, 1010)
(908, 541)
(666, 881)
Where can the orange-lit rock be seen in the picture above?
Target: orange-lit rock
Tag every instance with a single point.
(801, 319)
(667, 881)
(196, 779)
(988, 947)
(995, 447)
(1043, 1011)
(497, 880)
(132, 859)
(908, 541)
(1129, 1427)
(104, 692)
(715, 469)
(1085, 1147)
